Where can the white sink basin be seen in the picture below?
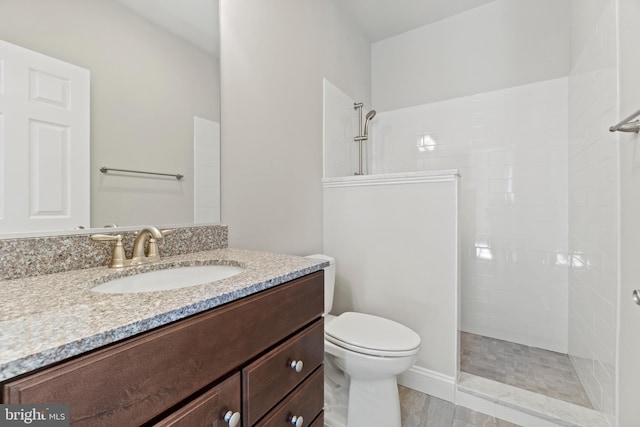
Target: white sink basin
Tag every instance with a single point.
(171, 278)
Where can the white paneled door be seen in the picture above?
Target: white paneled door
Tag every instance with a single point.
(44, 142)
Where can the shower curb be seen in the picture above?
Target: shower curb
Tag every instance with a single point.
(522, 406)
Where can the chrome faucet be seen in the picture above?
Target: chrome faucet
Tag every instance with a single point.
(119, 259)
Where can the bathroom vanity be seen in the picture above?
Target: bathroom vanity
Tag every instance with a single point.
(254, 358)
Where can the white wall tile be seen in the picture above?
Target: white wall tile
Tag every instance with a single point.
(592, 177)
(514, 200)
(340, 151)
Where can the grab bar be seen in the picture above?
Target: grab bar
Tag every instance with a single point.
(177, 176)
(626, 125)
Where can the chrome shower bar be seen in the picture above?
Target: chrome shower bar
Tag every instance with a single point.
(627, 125)
(363, 133)
(177, 176)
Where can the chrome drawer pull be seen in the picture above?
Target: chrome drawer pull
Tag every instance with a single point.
(232, 418)
(297, 365)
(636, 296)
(297, 421)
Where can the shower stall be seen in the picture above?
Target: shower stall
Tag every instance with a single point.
(523, 116)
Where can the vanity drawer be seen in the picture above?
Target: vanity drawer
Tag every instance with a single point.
(130, 383)
(306, 401)
(209, 409)
(319, 421)
(270, 378)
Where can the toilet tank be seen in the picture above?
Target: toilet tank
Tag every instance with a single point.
(329, 280)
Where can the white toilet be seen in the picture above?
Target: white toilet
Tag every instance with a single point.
(363, 356)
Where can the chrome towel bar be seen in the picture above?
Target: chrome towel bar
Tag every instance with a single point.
(177, 176)
(627, 125)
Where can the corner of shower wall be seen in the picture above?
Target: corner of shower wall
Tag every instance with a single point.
(593, 190)
(340, 126)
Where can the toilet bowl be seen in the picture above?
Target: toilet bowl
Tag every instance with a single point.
(363, 356)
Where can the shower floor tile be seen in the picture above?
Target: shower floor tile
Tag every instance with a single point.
(534, 369)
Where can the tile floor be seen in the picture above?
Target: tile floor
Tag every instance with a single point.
(534, 369)
(421, 410)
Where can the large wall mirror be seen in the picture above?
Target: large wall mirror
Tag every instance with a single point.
(154, 90)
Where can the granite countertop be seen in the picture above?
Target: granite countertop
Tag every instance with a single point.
(48, 318)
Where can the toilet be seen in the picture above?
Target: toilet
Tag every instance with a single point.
(363, 356)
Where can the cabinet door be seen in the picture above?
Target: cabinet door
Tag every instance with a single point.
(210, 408)
(270, 378)
(306, 401)
(319, 421)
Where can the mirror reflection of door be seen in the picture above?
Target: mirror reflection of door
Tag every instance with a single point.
(149, 79)
(44, 142)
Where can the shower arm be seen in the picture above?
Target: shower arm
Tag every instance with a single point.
(627, 125)
(358, 107)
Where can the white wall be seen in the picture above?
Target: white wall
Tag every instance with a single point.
(466, 88)
(513, 202)
(340, 127)
(274, 56)
(146, 87)
(629, 313)
(501, 44)
(593, 183)
(395, 244)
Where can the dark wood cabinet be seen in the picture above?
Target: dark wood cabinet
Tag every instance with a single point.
(171, 376)
(318, 422)
(267, 380)
(306, 403)
(216, 407)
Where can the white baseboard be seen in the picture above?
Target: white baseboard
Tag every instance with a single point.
(429, 382)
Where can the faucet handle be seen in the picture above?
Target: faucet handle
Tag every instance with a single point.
(105, 237)
(152, 249)
(118, 256)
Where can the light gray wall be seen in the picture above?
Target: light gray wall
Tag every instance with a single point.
(502, 44)
(629, 322)
(146, 86)
(274, 55)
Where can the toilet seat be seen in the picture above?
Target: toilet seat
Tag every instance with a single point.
(372, 335)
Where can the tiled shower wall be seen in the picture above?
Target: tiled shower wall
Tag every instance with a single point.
(340, 126)
(510, 146)
(593, 183)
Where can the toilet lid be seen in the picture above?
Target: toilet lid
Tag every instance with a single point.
(371, 334)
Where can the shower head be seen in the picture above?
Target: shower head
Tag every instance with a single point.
(370, 115)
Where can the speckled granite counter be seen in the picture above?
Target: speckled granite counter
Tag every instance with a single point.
(48, 318)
